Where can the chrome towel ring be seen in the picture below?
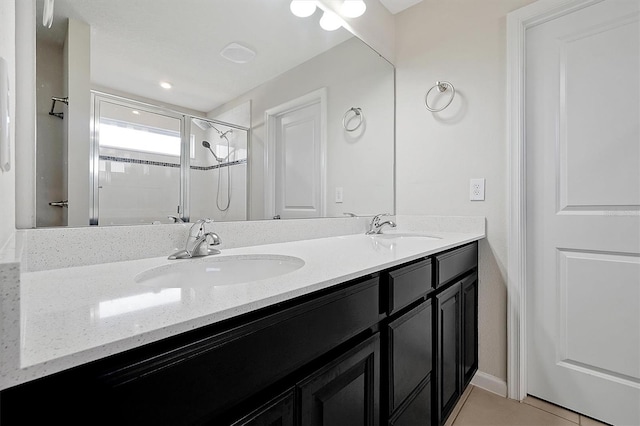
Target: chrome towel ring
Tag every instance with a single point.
(357, 113)
(442, 86)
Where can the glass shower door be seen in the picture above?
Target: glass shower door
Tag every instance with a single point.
(138, 161)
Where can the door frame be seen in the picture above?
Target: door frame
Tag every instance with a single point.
(518, 22)
(270, 117)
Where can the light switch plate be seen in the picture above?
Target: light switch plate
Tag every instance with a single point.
(476, 189)
(339, 194)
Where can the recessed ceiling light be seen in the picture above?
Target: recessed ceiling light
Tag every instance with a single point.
(237, 53)
(353, 8)
(302, 8)
(330, 21)
(135, 112)
(165, 85)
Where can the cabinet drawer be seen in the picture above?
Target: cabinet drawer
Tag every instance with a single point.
(456, 263)
(410, 352)
(212, 375)
(418, 411)
(406, 284)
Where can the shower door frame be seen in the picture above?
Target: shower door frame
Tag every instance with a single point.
(185, 150)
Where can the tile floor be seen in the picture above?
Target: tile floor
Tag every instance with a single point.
(479, 407)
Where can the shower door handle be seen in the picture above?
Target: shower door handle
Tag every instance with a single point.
(64, 203)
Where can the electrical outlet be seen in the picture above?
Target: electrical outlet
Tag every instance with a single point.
(339, 194)
(476, 189)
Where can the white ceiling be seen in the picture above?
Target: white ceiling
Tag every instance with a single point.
(397, 6)
(135, 44)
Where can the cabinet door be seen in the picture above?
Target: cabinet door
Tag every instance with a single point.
(410, 352)
(469, 328)
(418, 411)
(346, 391)
(277, 412)
(449, 353)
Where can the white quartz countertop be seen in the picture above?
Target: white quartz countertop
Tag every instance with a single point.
(75, 315)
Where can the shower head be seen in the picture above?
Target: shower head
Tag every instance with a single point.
(203, 124)
(208, 146)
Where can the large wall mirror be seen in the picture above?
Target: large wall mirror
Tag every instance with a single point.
(154, 111)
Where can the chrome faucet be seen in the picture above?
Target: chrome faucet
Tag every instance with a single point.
(175, 218)
(200, 244)
(375, 227)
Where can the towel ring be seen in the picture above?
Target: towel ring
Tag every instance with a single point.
(357, 113)
(442, 86)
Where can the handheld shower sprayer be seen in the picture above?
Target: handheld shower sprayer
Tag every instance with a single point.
(208, 146)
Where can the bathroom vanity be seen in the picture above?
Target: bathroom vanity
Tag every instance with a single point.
(394, 346)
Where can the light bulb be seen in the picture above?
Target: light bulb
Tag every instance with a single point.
(353, 8)
(165, 85)
(330, 21)
(302, 8)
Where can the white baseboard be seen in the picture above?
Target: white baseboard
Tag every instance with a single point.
(490, 383)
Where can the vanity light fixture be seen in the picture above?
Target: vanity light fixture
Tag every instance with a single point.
(303, 8)
(353, 8)
(165, 85)
(330, 21)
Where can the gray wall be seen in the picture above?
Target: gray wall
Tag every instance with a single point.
(462, 41)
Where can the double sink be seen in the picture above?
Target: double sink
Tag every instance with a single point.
(218, 271)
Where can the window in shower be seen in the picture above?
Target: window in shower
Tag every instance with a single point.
(128, 136)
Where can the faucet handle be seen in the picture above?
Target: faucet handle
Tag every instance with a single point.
(200, 224)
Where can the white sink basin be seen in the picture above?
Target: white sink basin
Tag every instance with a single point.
(218, 271)
(391, 235)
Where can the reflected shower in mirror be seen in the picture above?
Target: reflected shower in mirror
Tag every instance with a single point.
(218, 172)
(156, 165)
(230, 140)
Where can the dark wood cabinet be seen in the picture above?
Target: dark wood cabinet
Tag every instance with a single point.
(456, 323)
(277, 412)
(469, 290)
(417, 411)
(346, 391)
(449, 344)
(410, 352)
(455, 263)
(406, 284)
(396, 348)
(457, 342)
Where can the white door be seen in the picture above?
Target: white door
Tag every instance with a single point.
(583, 211)
(298, 154)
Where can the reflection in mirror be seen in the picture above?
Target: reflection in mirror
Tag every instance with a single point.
(145, 162)
(231, 141)
(218, 172)
(138, 164)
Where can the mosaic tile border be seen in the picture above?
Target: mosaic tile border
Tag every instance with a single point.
(165, 164)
